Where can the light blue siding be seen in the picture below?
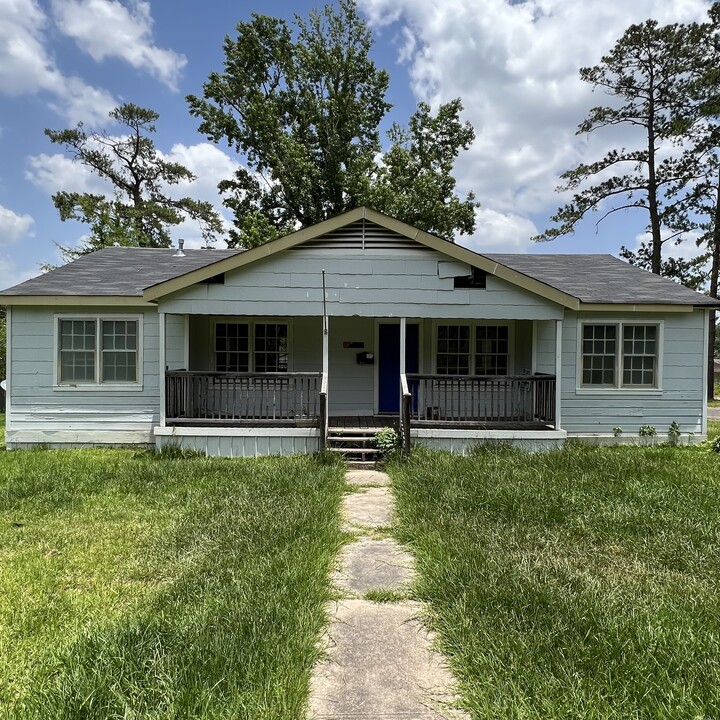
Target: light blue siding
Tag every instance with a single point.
(682, 395)
(242, 446)
(40, 411)
(371, 283)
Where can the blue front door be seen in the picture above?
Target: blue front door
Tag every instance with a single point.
(389, 363)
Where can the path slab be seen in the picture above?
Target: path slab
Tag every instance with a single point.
(374, 565)
(367, 477)
(371, 508)
(379, 665)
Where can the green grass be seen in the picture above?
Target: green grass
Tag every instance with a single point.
(582, 583)
(132, 587)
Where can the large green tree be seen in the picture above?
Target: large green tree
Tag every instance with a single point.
(139, 211)
(303, 105)
(645, 77)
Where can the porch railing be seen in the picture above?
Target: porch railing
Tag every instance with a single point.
(454, 399)
(236, 398)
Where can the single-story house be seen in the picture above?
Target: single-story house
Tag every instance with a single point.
(320, 337)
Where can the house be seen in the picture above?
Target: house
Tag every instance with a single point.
(326, 334)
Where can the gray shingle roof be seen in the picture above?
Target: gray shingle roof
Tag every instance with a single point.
(118, 271)
(601, 279)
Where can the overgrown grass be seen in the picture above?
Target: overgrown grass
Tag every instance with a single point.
(136, 588)
(578, 583)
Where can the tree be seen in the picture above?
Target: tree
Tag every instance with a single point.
(645, 73)
(303, 105)
(139, 211)
(415, 182)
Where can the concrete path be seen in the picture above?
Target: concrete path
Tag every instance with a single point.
(713, 413)
(379, 663)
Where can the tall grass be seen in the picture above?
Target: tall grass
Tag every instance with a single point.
(578, 583)
(137, 588)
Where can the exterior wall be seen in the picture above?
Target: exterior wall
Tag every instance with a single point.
(240, 443)
(367, 283)
(683, 381)
(545, 347)
(42, 412)
(175, 342)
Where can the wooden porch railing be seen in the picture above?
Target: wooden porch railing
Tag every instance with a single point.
(227, 398)
(405, 413)
(453, 399)
(324, 415)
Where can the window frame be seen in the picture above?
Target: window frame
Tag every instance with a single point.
(473, 325)
(251, 323)
(619, 387)
(98, 384)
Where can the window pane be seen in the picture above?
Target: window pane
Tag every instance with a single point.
(491, 349)
(232, 345)
(453, 350)
(119, 351)
(599, 354)
(77, 351)
(271, 347)
(640, 355)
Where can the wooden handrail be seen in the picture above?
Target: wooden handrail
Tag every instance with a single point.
(406, 406)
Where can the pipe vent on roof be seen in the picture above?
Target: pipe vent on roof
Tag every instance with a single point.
(180, 252)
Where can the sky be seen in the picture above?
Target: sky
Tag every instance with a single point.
(514, 64)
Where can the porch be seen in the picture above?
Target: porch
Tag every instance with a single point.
(321, 376)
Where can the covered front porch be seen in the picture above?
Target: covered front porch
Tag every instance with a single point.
(318, 375)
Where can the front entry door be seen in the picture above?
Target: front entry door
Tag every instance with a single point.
(389, 362)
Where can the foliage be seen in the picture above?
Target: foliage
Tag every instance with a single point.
(140, 210)
(644, 74)
(387, 439)
(617, 431)
(716, 444)
(303, 105)
(572, 583)
(647, 431)
(131, 588)
(673, 433)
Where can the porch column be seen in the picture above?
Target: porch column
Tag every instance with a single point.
(403, 343)
(558, 373)
(161, 364)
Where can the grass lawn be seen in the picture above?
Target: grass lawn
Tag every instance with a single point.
(582, 583)
(132, 587)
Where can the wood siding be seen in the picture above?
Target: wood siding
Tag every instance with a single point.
(681, 398)
(376, 282)
(41, 412)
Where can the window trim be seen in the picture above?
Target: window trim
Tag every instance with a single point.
(98, 385)
(251, 322)
(474, 324)
(618, 387)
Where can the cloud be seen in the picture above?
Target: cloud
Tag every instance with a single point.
(499, 232)
(515, 66)
(26, 66)
(52, 173)
(11, 274)
(13, 226)
(108, 28)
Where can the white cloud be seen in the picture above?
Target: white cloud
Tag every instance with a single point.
(499, 232)
(11, 274)
(13, 226)
(515, 66)
(27, 67)
(108, 28)
(58, 172)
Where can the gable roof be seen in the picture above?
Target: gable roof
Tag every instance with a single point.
(143, 275)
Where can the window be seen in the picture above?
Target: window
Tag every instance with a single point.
(453, 349)
(232, 347)
(98, 350)
(269, 343)
(616, 355)
(473, 350)
(491, 349)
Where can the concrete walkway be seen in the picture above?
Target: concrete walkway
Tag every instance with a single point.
(713, 413)
(379, 662)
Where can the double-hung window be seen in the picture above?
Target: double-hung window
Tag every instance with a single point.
(251, 347)
(98, 350)
(472, 349)
(620, 355)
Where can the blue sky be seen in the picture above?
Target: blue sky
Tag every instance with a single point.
(515, 65)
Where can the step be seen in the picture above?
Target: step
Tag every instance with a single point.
(355, 451)
(350, 438)
(369, 432)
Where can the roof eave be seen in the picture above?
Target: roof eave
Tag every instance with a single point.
(66, 300)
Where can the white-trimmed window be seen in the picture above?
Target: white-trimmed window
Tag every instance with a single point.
(98, 350)
(620, 355)
(269, 342)
(464, 349)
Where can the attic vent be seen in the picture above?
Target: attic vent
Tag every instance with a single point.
(180, 252)
(362, 235)
(477, 279)
(215, 280)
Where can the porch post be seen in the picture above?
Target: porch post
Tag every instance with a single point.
(706, 355)
(403, 336)
(161, 365)
(558, 373)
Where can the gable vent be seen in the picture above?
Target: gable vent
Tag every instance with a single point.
(362, 235)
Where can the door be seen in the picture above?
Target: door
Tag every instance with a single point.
(389, 362)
